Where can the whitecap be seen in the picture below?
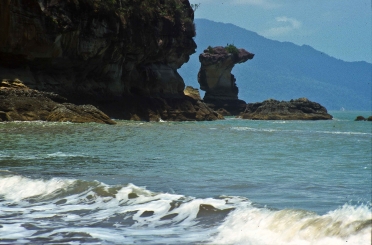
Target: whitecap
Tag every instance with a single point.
(250, 225)
(16, 188)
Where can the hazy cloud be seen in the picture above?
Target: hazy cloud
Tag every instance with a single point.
(284, 26)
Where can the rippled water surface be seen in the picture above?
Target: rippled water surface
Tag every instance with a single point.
(226, 182)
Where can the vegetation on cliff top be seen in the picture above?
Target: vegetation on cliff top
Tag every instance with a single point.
(230, 48)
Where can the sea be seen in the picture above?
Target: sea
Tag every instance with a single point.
(230, 181)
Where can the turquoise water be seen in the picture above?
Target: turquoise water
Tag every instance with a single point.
(224, 182)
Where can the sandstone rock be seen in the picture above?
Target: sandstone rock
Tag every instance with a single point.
(216, 80)
(192, 92)
(299, 109)
(20, 103)
(99, 52)
(78, 114)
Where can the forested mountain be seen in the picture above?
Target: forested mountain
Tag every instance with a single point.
(284, 71)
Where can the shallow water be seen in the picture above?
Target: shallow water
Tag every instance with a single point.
(223, 182)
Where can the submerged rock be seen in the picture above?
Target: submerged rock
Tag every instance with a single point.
(20, 103)
(299, 109)
(216, 80)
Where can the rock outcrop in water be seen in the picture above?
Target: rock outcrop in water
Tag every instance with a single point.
(20, 103)
(299, 109)
(215, 78)
(361, 118)
(120, 55)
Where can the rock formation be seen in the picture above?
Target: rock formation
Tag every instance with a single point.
(20, 103)
(192, 92)
(361, 118)
(215, 78)
(120, 55)
(299, 109)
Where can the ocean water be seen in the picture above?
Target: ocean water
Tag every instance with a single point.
(223, 182)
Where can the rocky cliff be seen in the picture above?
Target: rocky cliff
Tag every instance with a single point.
(120, 55)
(215, 77)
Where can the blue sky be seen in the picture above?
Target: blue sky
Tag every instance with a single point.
(340, 28)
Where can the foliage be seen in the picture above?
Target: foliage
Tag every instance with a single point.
(231, 49)
(195, 6)
(210, 50)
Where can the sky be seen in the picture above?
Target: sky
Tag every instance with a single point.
(339, 28)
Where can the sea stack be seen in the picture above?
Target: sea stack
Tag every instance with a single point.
(215, 78)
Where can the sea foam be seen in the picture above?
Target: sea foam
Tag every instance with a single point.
(250, 225)
(17, 188)
(86, 211)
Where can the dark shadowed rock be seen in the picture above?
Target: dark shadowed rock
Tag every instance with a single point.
(119, 53)
(216, 80)
(360, 118)
(299, 109)
(182, 108)
(20, 103)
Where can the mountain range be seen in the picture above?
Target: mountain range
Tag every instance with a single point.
(284, 71)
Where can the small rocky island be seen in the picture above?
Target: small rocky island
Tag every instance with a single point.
(361, 118)
(215, 78)
(299, 109)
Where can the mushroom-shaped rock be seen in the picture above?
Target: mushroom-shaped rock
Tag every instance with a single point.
(216, 80)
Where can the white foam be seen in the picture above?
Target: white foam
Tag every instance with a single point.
(166, 217)
(14, 231)
(254, 129)
(251, 225)
(61, 154)
(343, 133)
(16, 188)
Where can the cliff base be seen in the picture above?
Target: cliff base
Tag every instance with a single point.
(20, 103)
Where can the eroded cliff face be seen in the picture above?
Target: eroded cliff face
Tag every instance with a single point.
(103, 52)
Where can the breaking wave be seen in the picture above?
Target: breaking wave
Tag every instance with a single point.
(70, 210)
